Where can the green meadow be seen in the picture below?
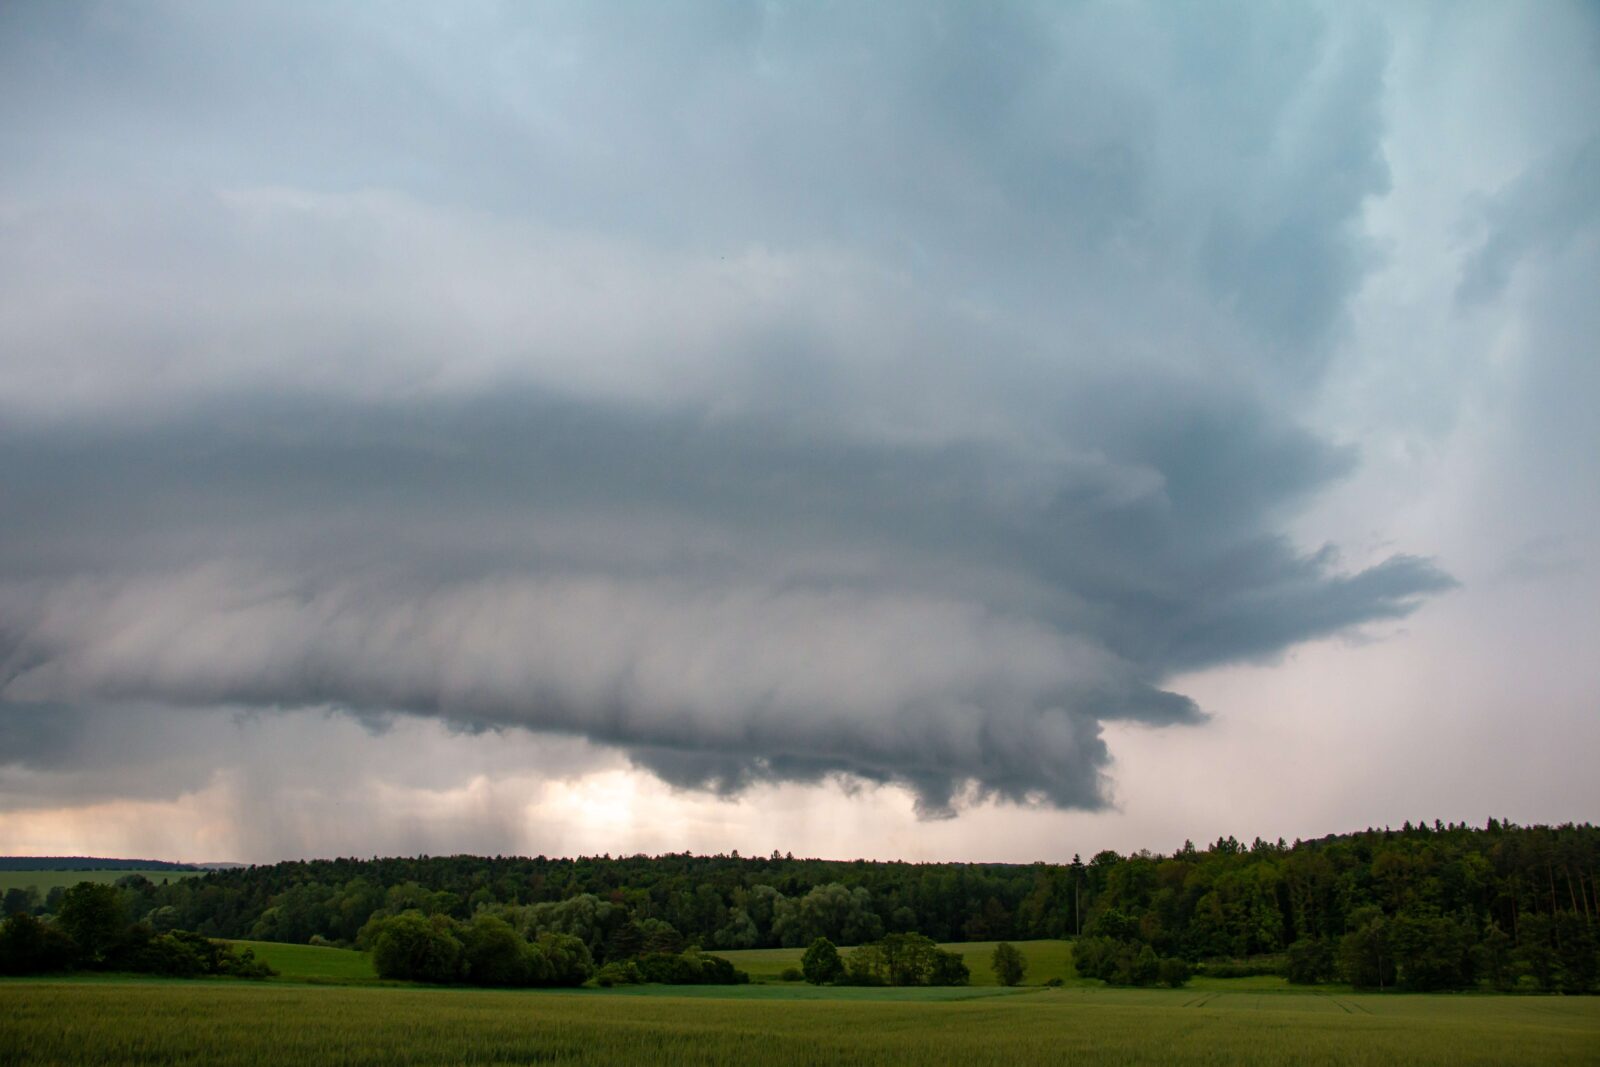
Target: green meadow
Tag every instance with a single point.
(236, 1023)
(312, 963)
(44, 881)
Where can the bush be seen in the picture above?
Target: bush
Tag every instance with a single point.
(1054, 981)
(948, 968)
(1308, 962)
(618, 973)
(791, 974)
(243, 964)
(689, 968)
(1246, 968)
(170, 956)
(1173, 972)
(1009, 963)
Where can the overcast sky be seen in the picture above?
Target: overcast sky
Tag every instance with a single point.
(934, 431)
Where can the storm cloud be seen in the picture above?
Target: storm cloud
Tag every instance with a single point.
(769, 393)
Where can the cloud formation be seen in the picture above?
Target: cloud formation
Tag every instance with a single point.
(771, 393)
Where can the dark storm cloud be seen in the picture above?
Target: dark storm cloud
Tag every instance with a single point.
(733, 601)
(772, 392)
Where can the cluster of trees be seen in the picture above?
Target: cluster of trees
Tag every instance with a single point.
(895, 959)
(1127, 962)
(689, 967)
(486, 951)
(90, 930)
(510, 947)
(1419, 907)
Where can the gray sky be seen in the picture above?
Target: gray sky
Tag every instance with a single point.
(924, 430)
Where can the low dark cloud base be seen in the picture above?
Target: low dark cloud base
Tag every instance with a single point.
(729, 602)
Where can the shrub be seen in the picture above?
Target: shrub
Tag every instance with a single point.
(791, 974)
(243, 964)
(689, 968)
(1245, 968)
(948, 968)
(170, 956)
(1009, 963)
(1308, 961)
(1173, 972)
(624, 972)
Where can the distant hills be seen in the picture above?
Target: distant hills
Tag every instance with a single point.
(100, 863)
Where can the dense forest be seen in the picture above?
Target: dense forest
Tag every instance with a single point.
(1421, 907)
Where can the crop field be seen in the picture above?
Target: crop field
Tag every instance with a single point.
(235, 1023)
(44, 881)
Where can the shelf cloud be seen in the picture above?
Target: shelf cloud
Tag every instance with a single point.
(769, 393)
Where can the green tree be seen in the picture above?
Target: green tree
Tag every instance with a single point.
(1576, 953)
(28, 946)
(18, 900)
(1366, 959)
(92, 915)
(417, 949)
(1009, 963)
(821, 963)
(560, 960)
(1494, 958)
(948, 969)
(494, 953)
(1536, 954)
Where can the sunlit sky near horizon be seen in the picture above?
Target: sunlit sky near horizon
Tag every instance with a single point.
(934, 431)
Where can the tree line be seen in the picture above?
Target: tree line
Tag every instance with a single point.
(1420, 907)
(92, 930)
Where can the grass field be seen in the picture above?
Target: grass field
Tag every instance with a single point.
(312, 963)
(44, 881)
(1046, 960)
(235, 1023)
